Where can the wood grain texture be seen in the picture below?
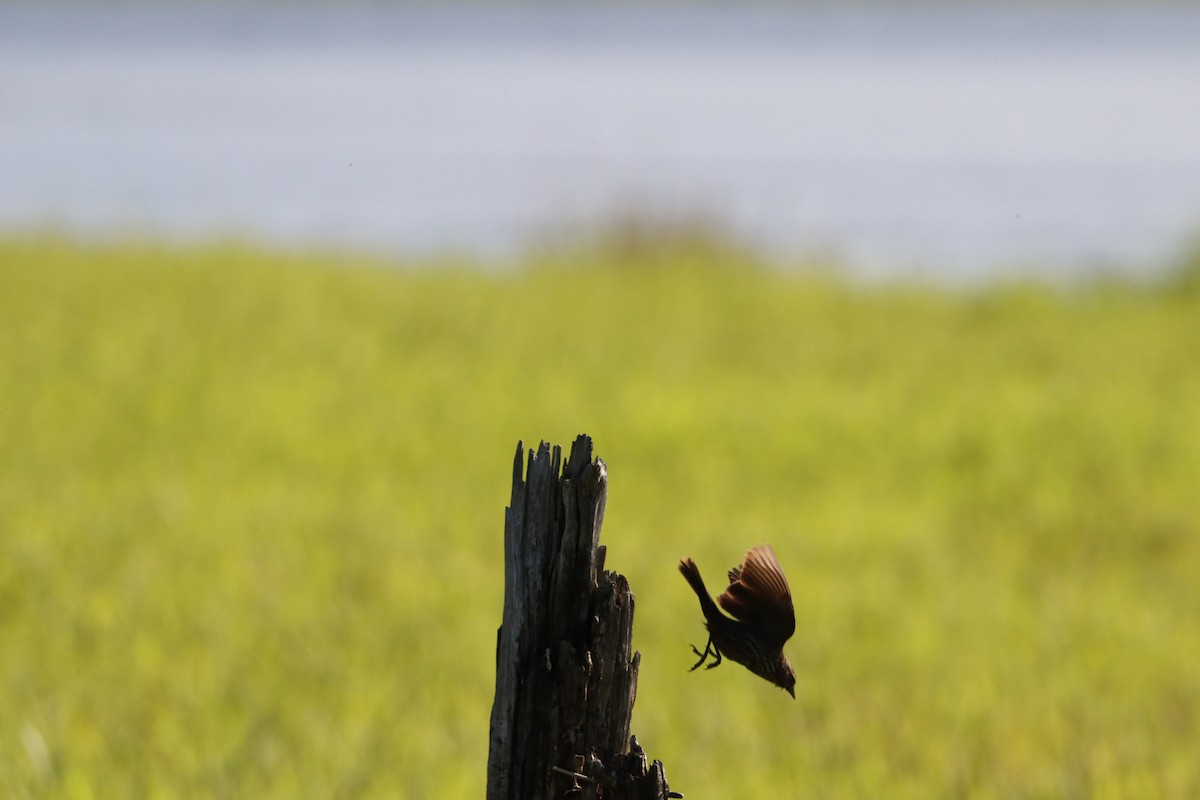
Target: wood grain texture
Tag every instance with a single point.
(566, 673)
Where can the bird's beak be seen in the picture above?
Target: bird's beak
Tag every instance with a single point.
(792, 692)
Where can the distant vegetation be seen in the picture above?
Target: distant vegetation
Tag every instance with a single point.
(251, 508)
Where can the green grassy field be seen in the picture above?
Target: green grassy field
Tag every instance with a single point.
(251, 514)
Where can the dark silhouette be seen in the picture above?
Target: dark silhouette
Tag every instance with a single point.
(760, 601)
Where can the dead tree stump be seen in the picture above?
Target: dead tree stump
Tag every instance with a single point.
(566, 673)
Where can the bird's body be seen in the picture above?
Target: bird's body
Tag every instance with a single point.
(763, 618)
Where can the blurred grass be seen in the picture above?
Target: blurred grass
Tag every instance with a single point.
(251, 508)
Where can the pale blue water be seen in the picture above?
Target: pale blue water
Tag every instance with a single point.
(954, 142)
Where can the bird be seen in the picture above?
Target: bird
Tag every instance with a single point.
(763, 618)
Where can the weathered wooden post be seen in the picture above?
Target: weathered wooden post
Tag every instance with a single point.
(566, 675)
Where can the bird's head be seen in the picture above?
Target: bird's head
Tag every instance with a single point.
(784, 677)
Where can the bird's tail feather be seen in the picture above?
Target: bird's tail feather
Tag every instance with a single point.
(692, 573)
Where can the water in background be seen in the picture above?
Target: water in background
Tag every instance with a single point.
(958, 142)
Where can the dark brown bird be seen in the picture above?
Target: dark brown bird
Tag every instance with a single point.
(760, 602)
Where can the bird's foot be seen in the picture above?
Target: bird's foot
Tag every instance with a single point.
(709, 649)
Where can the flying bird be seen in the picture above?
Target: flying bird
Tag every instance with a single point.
(760, 602)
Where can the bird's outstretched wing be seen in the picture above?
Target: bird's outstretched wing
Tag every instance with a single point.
(759, 595)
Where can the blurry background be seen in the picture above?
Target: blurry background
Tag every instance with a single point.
(960, 140)
(906, 291)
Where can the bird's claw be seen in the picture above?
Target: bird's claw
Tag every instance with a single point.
(708, 648)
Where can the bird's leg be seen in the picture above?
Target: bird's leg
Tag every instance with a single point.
(708, 648)
(717, 656)
(711, 647)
